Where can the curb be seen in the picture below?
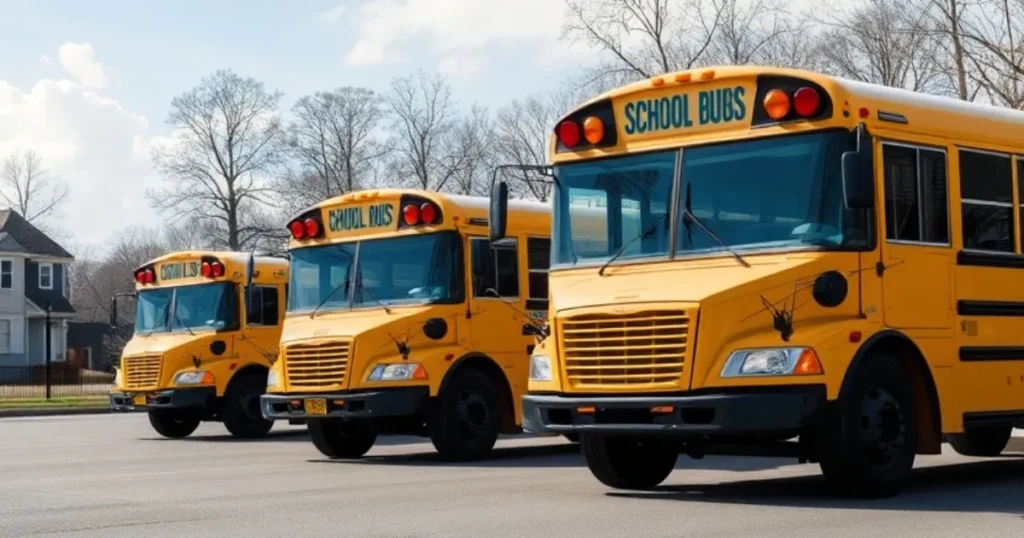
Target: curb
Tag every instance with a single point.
(47, 412)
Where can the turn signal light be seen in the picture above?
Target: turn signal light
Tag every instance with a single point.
(593, 130)
(776, 104)
(808, 364)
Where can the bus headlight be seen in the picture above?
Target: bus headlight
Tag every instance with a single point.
(540, 368)
(197, 377)
(772, 362)
(402, 371)
(271, 378)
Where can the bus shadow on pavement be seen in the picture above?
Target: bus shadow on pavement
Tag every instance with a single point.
(568, 455)
(991, 486)
(560, 455)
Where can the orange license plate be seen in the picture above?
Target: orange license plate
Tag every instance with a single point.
(315, 406)
(139, 400)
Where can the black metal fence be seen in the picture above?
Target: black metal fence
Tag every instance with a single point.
(64, 380)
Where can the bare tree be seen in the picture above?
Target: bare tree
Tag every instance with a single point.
(522, 134)
(948, 18)
(994, 33)
(424, 117)
(643, 38)
(333, 140)
(472, 141)
(885, 43)
(760, 32)
(28, 188)
(228, 136)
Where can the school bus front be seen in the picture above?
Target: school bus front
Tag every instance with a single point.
(384, 332)
(748, 254)
(202, 344)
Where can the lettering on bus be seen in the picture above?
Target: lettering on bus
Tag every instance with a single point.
(681, 111)
(174, 271)
(345, 219)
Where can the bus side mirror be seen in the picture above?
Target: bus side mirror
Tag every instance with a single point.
(858, 176)
(250, 270)
(498, 218)
(113, 312)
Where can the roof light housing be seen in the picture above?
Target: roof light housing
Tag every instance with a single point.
(306, 226)
(418, 211)
(590, 127)
(784, 99)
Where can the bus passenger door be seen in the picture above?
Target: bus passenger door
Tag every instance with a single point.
(496, 304)
(916, 250)
(263, 309)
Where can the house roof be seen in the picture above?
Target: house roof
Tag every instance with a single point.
(19, 236)
(58, 304)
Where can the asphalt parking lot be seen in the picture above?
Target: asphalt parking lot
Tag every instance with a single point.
(110, 475)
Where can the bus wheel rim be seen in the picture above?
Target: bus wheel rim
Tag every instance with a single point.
(882, 427)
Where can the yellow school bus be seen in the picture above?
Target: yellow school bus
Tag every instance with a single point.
(403, 319)
(207, 325)
(817, 258)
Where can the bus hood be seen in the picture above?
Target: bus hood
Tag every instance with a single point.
(160, 343)
(350, 323)
(691, 281)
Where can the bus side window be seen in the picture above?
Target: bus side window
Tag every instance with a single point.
(262, 309)
(538, 252)
(494, 269)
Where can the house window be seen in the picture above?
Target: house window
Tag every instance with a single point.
(5, 336)
(262, 307)
(6, 274)
(494, 270)
(916, 203)
(986, 196)
(46, 276)
(538, 252)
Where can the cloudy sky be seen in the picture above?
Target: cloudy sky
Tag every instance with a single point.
(87, 84)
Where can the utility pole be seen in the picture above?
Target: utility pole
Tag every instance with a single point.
(48, 308)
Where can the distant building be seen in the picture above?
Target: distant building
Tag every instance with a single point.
(33, 276)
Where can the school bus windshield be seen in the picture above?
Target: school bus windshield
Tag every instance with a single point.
(405, 270)
(186, 308)
(778, 192)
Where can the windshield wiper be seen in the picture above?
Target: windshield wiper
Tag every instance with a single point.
(690, 217)
(329, 295)
(361, 287)
(618, 252)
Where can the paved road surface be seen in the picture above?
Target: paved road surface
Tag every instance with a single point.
(111, 476)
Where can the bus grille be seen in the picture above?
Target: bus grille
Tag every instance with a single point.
(142, 373)
(645, 349)
(320, 366)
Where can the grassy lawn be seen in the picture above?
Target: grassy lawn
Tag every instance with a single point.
(98, 400)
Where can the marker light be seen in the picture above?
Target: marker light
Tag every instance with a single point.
(217, 269)
(776, 104)
(428, 213)
(593, 130)
(312, 227)
(411, 214)
(205, 270)
(297, 229)
(806, 101)
(148, 276)
(569, 134)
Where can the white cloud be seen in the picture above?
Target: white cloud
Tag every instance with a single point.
(331, 16)
(79, 60)
(461, 31)
(100, 149)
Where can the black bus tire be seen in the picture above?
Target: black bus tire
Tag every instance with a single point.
(636, 463)
(466, 418)
(173, 423)
(342, 439)
(241, 413)
(868, 440)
